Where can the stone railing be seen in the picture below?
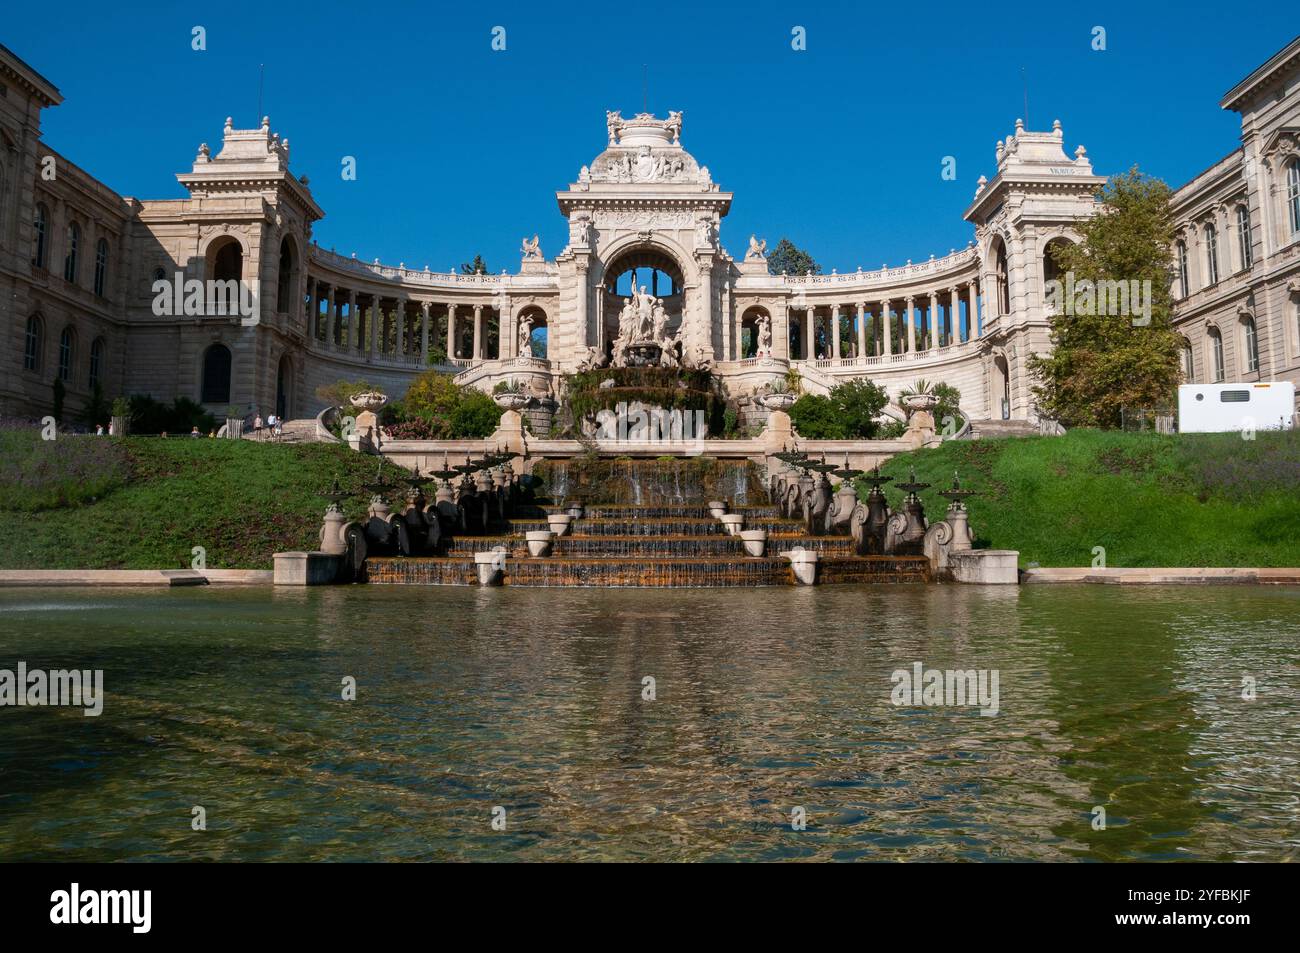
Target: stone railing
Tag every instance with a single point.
(933, 267)
(501, 283)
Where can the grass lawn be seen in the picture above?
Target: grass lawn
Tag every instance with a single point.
(1148, 499)
(82, 502)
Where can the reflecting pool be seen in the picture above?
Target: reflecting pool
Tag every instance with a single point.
(764, 701)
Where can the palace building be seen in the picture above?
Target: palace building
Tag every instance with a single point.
(645, 276)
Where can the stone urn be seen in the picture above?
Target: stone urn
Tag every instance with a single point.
(574, 511)
(804, 564)
(539, 541)
(491, 566)
(732, 522)
(368, 405)
(511, 400)
(717, 508)
(915, 402)
(560, 523)
(755, 541)
(781, 402)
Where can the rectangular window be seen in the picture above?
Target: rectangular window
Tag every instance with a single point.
(1243, 235)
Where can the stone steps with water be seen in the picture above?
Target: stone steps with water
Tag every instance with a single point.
(654, 530)
(560, 571)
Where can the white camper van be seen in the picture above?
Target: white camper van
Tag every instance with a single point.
(1220, 408)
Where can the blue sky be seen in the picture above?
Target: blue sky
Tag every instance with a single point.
(460, 149)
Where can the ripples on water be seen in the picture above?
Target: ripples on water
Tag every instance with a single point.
(766, 700)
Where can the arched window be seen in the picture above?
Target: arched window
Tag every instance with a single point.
(1002, 278)
(70, 258)
(1243, 237)
(1212, 254)
(1216, 353)
(33, 344)
(40, 240)
(216, 375)
(1293, 194)
(1252, 344)
(101, 265)
(67, 338)
(96, 362)
(1182, 268)
(287, 275)
(226, 268)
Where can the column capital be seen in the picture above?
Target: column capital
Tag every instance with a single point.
(910, 299)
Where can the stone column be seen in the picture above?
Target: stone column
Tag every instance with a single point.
(911, 324)
(329, 317)
(781, 333)
(307, 305)
(451, 332)
(835, 332)
(352, 320)
(862, 329)
(704, 334)
(376, 316)
(885, 322)
(580, 314)
(424, 333)
(972, 311)
(478, 332)
(934, 319)
(954, 316)
(810, 333)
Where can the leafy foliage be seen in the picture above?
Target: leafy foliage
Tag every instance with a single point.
(339, 394)
(435, 407)
(787, 258)
(1102, 362)
(665, 387)
(476, 267)
(149, 416)
(847, 413)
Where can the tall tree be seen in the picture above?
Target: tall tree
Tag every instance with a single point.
(1106, 357)
(476, 267)
(786, 258)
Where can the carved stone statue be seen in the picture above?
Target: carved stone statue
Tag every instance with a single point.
(704, 232)
(764, 335)
(757, 250)
(532, 249)
(674, 125)
(525, 336)
(614, 123)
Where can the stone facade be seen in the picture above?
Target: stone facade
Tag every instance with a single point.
(79, 265)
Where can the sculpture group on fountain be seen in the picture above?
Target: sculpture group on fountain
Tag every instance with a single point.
(803, 491)
(475, 498)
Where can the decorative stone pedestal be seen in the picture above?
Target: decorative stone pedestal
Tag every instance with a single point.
(306, 569)
(804, 564)
(560, 523)
(755, 541)
(997, 567)
(732, 522)
(491, 566)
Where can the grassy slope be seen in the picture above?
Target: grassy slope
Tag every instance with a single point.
(240, 500)
(1150, 500)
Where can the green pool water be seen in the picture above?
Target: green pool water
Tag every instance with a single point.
(765, 701)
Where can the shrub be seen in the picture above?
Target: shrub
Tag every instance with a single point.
(445, 409)
(848, 413)
(153, 416)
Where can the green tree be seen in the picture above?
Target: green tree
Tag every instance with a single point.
(1101, 360)
(786, 258)
(847, 413)
(476, 267)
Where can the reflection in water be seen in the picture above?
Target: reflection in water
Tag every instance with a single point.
(765, 701)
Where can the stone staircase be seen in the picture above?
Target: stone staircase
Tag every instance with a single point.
(661, 545)
(293, 431)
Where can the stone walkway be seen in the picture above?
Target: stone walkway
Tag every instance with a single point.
(133, 577)
(1162, 576)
